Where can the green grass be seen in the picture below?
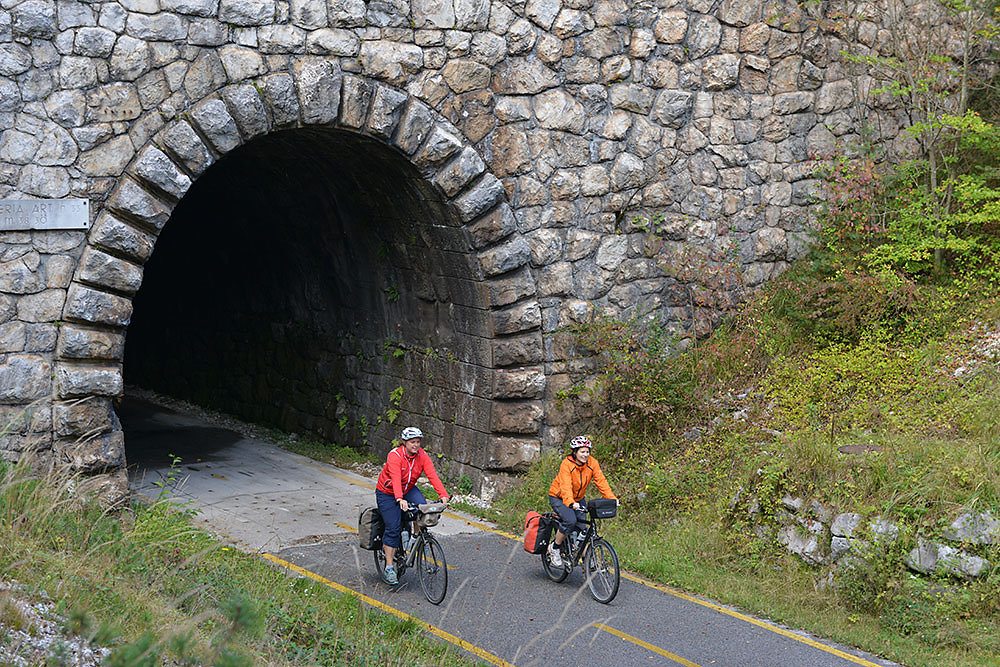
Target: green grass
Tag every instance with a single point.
(146, 582)
(779, 389)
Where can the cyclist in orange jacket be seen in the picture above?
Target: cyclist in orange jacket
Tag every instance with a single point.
(566, 492)
(396, 490)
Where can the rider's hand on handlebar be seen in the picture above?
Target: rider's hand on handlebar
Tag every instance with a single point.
(445, 499)
(403, 505)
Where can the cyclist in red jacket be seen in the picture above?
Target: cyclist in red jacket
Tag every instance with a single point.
(397, 490)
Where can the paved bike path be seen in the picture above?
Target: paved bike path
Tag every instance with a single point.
(500, 599)
(500, 605)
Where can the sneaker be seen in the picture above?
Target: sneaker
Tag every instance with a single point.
(554, 556)
(389, 574)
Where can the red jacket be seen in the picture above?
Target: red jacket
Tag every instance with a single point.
(400, 473)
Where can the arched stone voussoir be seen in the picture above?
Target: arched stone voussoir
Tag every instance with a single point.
(415, 125)
(212, 118)
(86, 304)
(387, 109)
(156, 169)
(281, 99)
(247, 109)
(459, 172)
(107, 271)
(318, 82)
(124, 239)
(132, 201)
(181, 141)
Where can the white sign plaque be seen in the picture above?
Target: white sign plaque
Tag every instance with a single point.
(30, 214)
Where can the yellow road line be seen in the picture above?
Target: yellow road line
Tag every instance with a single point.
(481, 526)
(646, 645)
(433, 629)
(749, 619)
(659, 587)
(345, 526)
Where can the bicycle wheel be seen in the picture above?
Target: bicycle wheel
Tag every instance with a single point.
(603, 575)
(432, 569)
(556, 574)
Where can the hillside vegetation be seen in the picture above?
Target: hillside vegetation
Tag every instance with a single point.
(865, 379)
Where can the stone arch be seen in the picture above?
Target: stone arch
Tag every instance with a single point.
(502, 411)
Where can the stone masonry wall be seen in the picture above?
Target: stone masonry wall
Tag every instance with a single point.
(546, 125)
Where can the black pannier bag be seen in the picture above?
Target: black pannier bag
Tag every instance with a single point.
(603, 508)
(370, 529)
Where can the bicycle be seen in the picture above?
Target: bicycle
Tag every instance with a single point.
(599, 558)
(423, 550)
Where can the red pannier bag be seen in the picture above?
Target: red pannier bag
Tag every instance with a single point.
(537, 529)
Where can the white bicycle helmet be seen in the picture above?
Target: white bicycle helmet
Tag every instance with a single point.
(580, 441)
(410, 432)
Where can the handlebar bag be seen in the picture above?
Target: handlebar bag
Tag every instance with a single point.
(537, 529)
(370, 528)
(602, 508)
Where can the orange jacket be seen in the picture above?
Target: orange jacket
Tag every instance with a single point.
(572, 479)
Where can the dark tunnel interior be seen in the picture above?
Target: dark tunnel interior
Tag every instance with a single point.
(288, 278)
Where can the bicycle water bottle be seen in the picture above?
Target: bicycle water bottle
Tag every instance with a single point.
(411, 542)
(577, 539)
(404, 539)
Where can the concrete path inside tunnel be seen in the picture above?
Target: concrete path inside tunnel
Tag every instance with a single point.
(500, 608)
(258, 495)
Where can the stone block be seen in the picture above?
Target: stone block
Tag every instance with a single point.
(492, 227)
(183, 142)
(522, 317)
(280, 96)
(79, 343)
(415, 125)
(506, 257)
(95, 454)
(247, 12)
(355, 100)
(12, 337)
(110, 232)
(319, 83)
(83, 381)
(461, 171)
(104, 270)
(90, 305)
(513, 454)
(109, 489)
(519, 383)
(247, 109)
(155, 168)
(25, 378)
(974, 528)
(26, 420)
(131, 200)
(217, 125)
(522, 417)
(441, 144)
(44, 306)
(524, 350)
(85, 417)
(511, 288)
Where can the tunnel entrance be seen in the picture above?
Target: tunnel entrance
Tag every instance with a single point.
(314, 281)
